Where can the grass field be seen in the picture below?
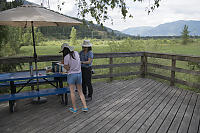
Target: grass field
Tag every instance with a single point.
(127, 45)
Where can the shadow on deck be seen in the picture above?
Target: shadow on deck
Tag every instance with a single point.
(139, 105)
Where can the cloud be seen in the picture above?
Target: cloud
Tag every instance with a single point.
(169, 10)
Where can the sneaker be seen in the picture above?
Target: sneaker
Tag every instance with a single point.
(85, 109)
(72, 110)
(88, 98)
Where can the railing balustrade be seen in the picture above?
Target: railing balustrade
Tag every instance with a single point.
(143, 64)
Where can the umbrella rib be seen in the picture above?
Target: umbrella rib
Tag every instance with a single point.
(56, 24)
(25, 25)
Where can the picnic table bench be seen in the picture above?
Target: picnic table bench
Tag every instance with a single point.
(24, 79)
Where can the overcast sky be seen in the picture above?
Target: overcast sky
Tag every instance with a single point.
(169, 10)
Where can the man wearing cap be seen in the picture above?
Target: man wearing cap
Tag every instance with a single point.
(74, 78)
(86, 57)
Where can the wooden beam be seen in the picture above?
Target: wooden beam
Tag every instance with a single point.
(175, 69)
(193, 85)
(115, 65)
(158, 76)
(174, 56)
(115, 75)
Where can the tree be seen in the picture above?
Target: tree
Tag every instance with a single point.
(9, 37)
(4, 29)
(185, 35)
(73, 36)
(99, 9)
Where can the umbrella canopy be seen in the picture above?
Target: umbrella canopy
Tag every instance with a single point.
(40, 16)
(33, 15)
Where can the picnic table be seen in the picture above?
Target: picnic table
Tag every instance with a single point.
(23, 79)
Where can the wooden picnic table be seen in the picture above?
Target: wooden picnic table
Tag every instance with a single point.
(24, 78)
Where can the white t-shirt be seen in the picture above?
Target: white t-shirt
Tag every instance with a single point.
(74, 64)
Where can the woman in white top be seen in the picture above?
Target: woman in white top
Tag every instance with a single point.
(74, 78)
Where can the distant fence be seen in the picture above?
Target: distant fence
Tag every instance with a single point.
(143, 64)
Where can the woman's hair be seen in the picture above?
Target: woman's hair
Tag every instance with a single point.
(66, 51)
(89, 48)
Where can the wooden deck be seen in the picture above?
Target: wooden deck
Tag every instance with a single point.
(133, 106)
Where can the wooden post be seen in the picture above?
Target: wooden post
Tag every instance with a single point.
(31, 73)
(143, 68)
(173, 72)
(111, 69)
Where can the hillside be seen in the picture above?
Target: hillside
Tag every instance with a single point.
(137, 31)
(166, 29)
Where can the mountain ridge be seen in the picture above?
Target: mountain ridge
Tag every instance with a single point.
(167, 29)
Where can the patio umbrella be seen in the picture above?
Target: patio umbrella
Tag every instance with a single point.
(33, 15)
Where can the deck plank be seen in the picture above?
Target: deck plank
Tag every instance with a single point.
(169, 99)
(26, 115)
(195, 121)
(140, 105)
(135, 108)
(92, 106)
(172, 113)
(188, 115)
(149, 122)
(62, 113)
(177, 121)
(112, 103)
(102, 121)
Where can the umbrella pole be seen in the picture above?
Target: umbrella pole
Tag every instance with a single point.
(35, 54)
(38, 99)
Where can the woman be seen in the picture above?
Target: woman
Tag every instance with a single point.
(74, 78)
(86, 57)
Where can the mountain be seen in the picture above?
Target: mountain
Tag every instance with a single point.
(167, 29)
(137, 30)
(29, 3)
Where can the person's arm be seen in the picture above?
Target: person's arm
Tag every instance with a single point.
(90, 58)
(87, 62)
(66, 63)
(67, 67)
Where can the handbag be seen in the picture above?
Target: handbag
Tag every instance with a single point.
(92, 71)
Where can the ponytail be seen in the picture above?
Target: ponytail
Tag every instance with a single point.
(72, 55)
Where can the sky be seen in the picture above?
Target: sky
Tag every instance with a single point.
(168, 11)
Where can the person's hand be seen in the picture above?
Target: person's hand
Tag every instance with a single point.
(62, 62)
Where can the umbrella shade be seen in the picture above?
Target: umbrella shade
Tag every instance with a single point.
(23, 16)
(32, 15)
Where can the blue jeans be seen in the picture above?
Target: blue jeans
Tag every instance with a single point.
(74, 78)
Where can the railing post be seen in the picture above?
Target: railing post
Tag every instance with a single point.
(111, 69)
(173, 72)
(143, 68)
(31, 72)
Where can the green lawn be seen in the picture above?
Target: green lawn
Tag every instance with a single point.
(127, 45)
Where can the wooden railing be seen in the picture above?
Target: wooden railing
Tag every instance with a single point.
(174, 58)
(142, 63)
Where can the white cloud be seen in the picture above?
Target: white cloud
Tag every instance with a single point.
(169, 10)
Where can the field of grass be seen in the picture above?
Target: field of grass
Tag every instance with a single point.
(127, 45)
